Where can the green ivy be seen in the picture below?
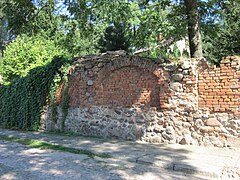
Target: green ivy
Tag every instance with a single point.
(60, 79)
(65, 102)
(22, 101)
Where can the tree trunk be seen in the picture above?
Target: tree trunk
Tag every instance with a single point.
(194, 33)
(2, 50)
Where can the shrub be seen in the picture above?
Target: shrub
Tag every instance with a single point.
(26, 53)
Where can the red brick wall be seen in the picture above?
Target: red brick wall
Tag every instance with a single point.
(127, 81)
(77, 91)
(219, 87)
(120, 82)
(129, 86)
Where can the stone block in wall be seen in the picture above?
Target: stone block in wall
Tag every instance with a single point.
(206, 129)
(198, 123)
(186, 140)
(177, 77)
(176, 86)
(170, 67)
(186, 64)
(213, 122)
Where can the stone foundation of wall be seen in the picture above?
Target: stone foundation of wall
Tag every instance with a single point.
(156, 101)
(200, 128)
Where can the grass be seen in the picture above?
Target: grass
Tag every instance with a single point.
(45, 145)
(71, 134)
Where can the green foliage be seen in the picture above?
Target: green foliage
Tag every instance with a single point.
(77, 25)
(79, 43)
(19, 14)
(65, 103)
(31, 18)
(221, 31)
(114, 39)
(21, 102)
(26, 53)
(59, 80)
(160, 17)
(162, 53)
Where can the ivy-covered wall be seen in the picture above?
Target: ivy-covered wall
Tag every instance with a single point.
(22, 101)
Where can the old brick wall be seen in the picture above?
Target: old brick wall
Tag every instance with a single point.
(117, 81)
(219, 87)
(159, 101)
(129, 86)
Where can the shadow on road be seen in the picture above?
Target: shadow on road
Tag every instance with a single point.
(130, 160)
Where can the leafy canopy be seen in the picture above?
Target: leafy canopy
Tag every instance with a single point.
(79, 25)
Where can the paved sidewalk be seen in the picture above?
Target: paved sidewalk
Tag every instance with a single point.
(209, 162)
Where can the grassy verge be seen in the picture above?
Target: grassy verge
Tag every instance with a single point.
(71, 134)
(45, 145)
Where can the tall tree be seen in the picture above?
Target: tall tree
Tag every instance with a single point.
(114, 39)
(82, 23)
(194, 34)
(221, 29)
(19, 14)
(3, 30)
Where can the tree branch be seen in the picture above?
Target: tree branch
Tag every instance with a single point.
(164, 44)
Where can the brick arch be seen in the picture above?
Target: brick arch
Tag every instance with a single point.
(89, 84)
(136, 61)
(129, 82)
